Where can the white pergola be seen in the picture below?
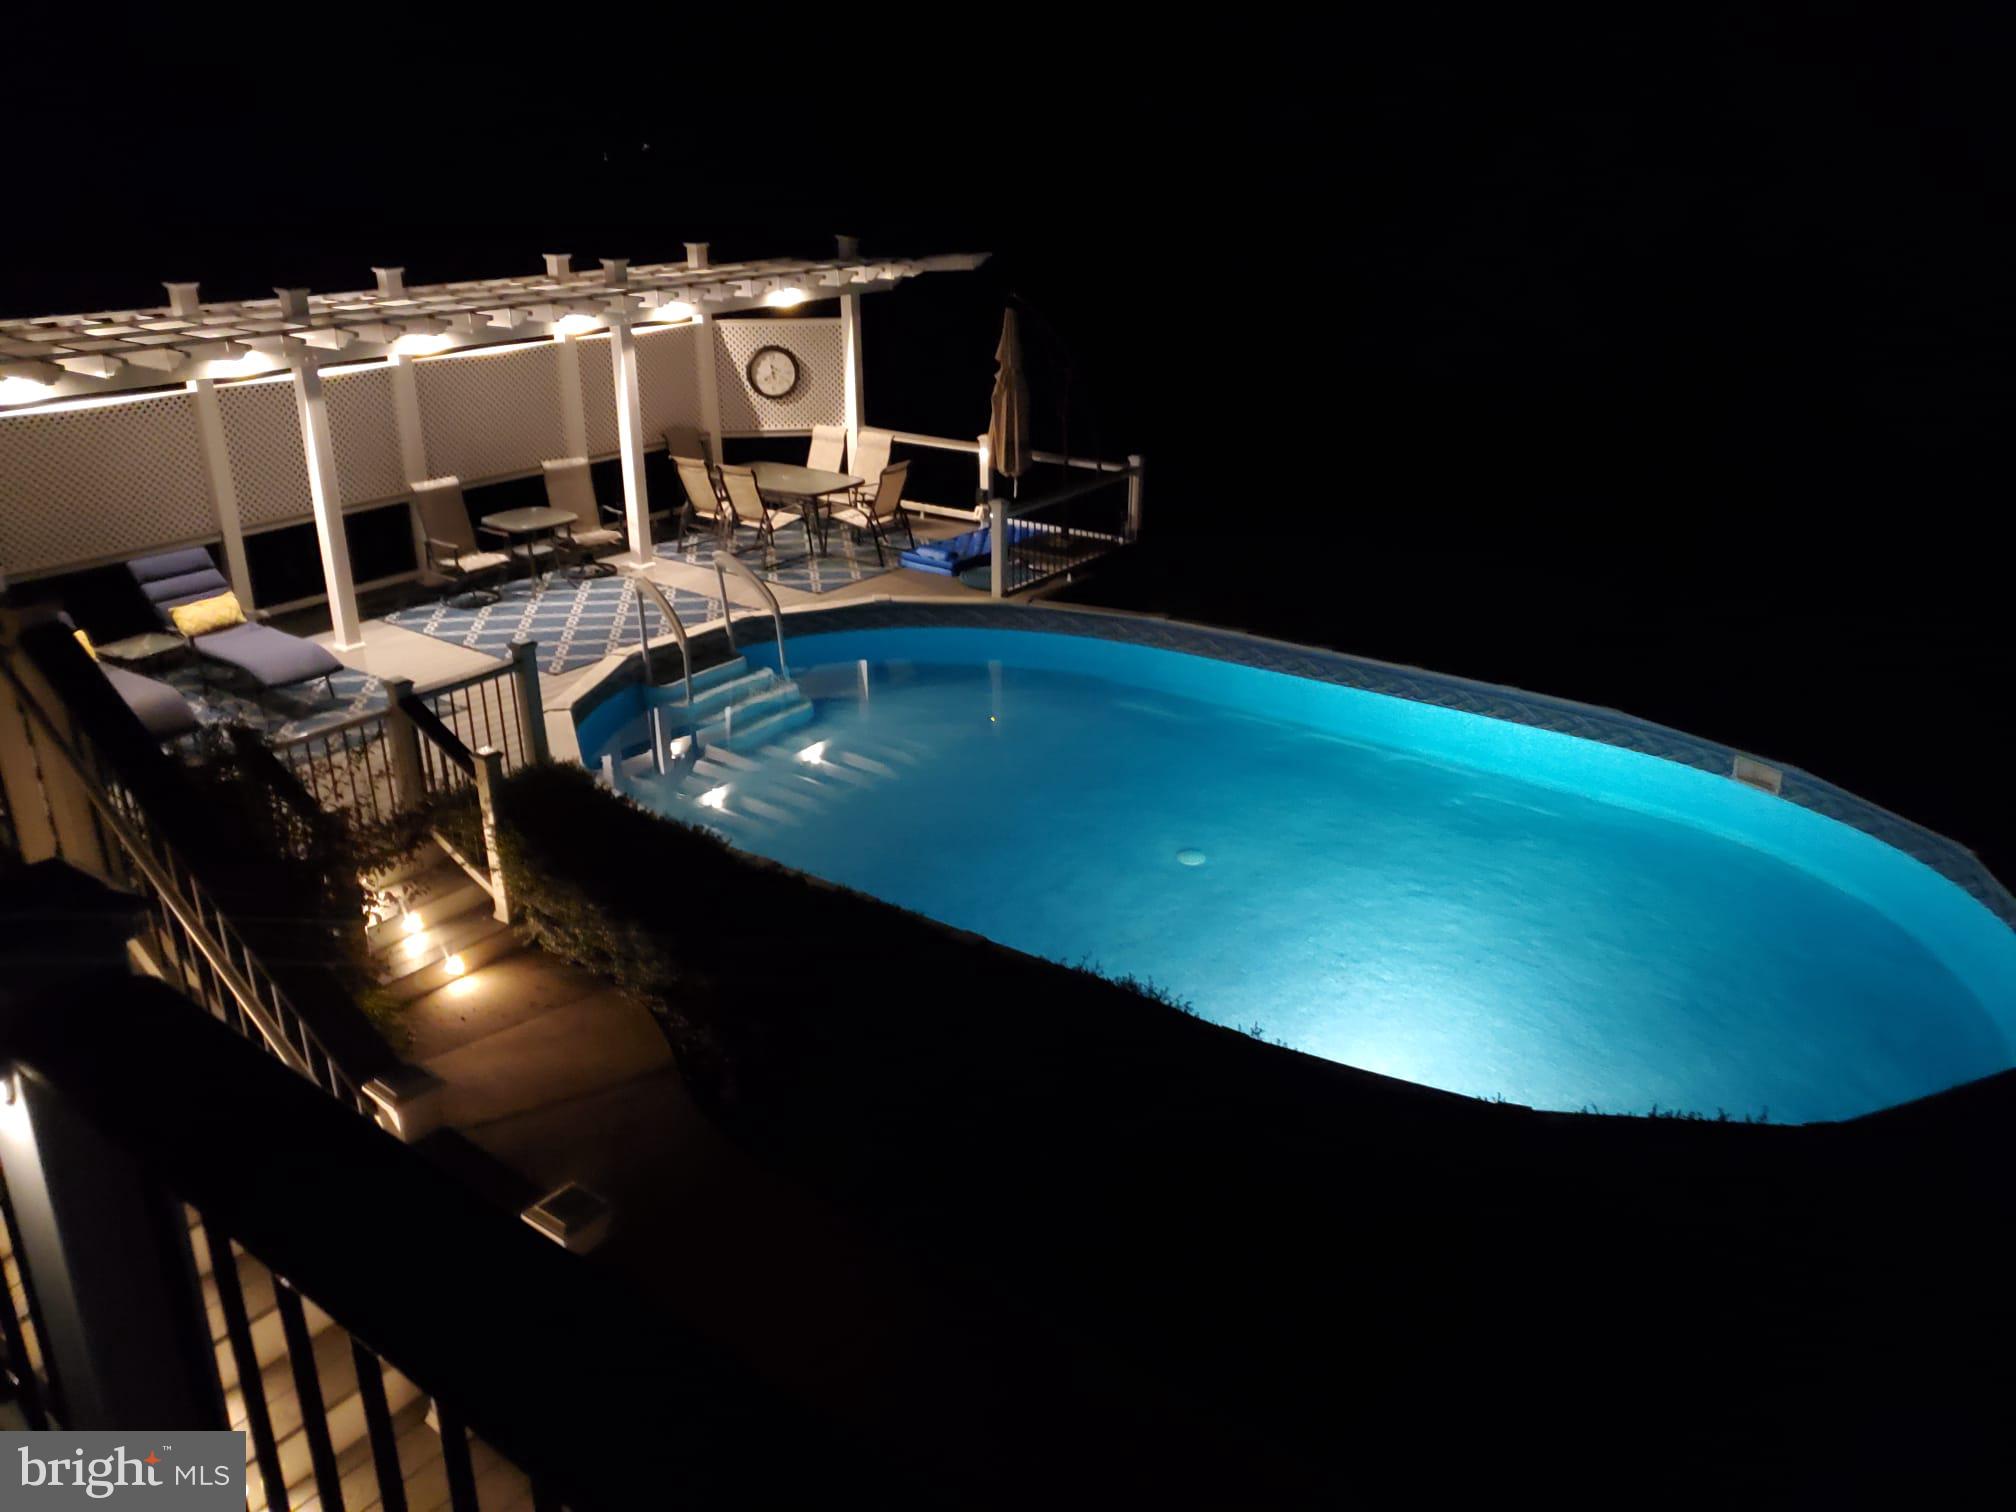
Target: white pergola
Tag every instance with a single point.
(188, 342)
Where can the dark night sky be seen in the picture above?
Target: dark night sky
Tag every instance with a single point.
(1721, 261)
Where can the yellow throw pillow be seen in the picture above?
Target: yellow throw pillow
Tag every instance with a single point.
(208, 615)
(84, 640)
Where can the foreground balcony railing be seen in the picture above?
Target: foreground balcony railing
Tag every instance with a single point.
(250, 1259)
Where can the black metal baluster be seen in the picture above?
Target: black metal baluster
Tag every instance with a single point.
(384, 769)
(308, 1387)
(251, 1385)
(514, 720)
(455, 1457)
(378, 1419)
(485, 693)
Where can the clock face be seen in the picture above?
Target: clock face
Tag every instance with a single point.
(773, 372)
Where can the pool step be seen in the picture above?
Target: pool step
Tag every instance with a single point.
(728, 691)
(720, 672)
(758, 721)
(763, 699)
(772, 782)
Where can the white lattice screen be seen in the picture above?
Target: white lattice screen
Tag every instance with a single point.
(263, 438)
(820, 397)
(598, 394)
(90, 483)
(494, 413)
(666, 380)
(365, 430)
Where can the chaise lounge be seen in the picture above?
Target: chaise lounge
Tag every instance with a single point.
(161, 709)
(174, 580)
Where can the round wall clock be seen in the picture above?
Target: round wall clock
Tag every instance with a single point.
(773, 372)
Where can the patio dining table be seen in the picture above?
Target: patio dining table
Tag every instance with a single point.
(529, 525)
(805, 486)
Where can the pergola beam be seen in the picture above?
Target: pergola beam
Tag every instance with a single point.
(187, 339)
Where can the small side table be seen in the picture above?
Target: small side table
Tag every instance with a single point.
(136, 651)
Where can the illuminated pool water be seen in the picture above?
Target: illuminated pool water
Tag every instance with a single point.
(1477, 905)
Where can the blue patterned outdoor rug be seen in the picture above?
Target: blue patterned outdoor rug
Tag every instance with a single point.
(790, 563)
(280, 714)
(575, 624)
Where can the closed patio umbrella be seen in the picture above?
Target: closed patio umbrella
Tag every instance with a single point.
(1008, 425)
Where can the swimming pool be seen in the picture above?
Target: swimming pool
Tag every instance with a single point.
(1477, 903)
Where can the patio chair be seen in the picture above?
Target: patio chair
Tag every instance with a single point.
(454, 560)
(703, 500)
(828, 451)
(688, 441)
(569, 486)
(882, 512)
(214, 624)
(160, 707)
(751, 508)
(871, 455)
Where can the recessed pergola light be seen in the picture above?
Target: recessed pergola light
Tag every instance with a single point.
(574, 325)
(422, 344)
(786, 298)
(40, 374)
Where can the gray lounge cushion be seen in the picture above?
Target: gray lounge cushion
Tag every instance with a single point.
(273, 658)
(186, 589)
(168, 564)
(177, 577)
(162, 712)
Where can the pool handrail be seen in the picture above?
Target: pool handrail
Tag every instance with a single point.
(644, 586)
(728, 607)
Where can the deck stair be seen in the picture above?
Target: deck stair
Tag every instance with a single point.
(433, 915)
(500, 1485)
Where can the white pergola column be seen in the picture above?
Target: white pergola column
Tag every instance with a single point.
(311, 404)
(573, 418)
(629, 435)
(853, 383)
(223, 490)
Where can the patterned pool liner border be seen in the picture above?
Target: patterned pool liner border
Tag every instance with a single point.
(1587, 721)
